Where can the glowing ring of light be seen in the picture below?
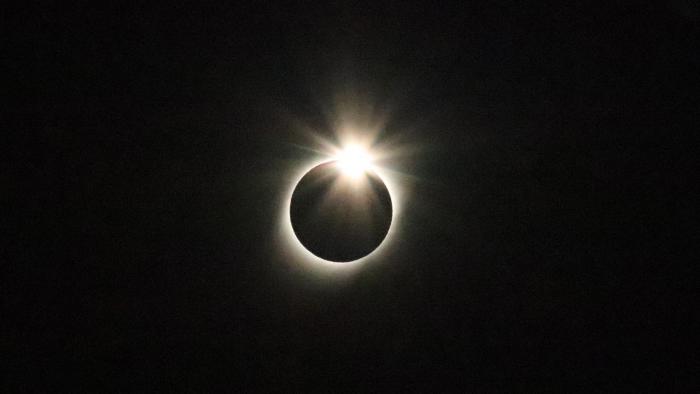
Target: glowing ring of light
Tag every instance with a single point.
(294, 248)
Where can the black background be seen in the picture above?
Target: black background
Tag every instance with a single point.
(543, 243)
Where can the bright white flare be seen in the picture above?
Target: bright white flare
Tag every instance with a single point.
(354, 161)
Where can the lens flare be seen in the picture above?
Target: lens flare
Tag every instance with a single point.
(354, 161)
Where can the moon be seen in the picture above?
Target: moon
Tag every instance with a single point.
(340, 213)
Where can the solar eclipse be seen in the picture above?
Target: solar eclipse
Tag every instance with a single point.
(365, 188)
(341, 210)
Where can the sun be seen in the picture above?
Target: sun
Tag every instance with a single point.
(354, 161)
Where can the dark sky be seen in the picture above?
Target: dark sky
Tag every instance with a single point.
(543, 245)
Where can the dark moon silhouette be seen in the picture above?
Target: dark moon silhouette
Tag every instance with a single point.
(340, 217)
